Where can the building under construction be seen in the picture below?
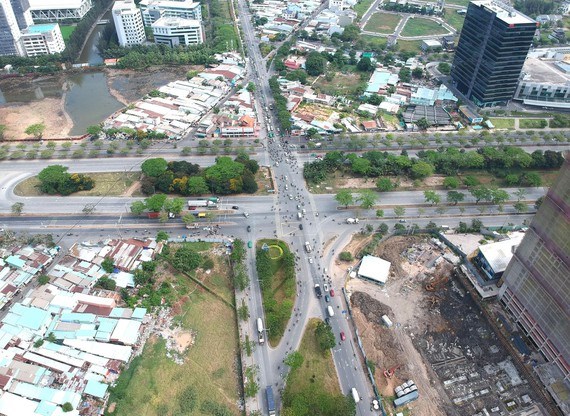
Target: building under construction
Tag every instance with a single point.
(536, 285)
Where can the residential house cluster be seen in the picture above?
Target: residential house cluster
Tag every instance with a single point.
(181, 104)
(333, 19)
(236, 118)
(282, 16)
(66, 342)
(19, 265)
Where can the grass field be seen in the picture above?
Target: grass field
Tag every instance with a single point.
(382, 23)
(454, 19)
(108, 183)
(341, 84)
(503, 123)
(422, 27)
(409, 45)
(66, 31)
(153, 384)
(374, 41)
(279, 298)
(532, 123)
(459, 2)
(362, 6)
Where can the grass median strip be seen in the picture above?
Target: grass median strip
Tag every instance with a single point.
(277, 281)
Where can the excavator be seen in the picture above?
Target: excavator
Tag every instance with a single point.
(437, 283)
(388, 373)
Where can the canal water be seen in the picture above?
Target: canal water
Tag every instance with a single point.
(88, 100)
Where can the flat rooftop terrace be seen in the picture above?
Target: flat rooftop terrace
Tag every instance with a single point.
(544, 71)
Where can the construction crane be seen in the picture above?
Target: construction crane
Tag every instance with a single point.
(388, 373)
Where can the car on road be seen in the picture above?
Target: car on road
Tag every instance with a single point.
(342, 336)
(402, 220)
(327, 299)
(235, 207)
(300, 226)
(245, 214)
(249, 228)
(332, 293)
(250, 244)
(290, 197)
(311, 262)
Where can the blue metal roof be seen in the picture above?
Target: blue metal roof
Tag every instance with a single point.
(95, 388)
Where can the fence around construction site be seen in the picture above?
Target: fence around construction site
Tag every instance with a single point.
(361, 347)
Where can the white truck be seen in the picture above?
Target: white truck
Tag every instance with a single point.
(352, 220)
(260, 330)
(355, 395)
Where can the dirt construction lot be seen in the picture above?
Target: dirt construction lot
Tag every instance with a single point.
(438, 339)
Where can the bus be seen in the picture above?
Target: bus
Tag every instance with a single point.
(270, 400)
(208, 203)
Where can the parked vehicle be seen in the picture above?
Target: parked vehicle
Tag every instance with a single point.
(260, 331)
(327, 299)
(249, 228)
(330, 311)
(332, 293)
(342, 336)
(235, 207)
(352, 220)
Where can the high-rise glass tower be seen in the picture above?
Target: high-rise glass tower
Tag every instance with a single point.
(536, 283)
(492, 48)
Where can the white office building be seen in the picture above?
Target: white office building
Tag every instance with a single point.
(43, 39)
(128, 23)
(57, 10)
(152, 10)
(174, 31)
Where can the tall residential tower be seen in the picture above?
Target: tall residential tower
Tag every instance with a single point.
(128, 23)
(494, 42)
(536, 283)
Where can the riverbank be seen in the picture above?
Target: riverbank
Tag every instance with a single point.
(127, 85)
(50, 111)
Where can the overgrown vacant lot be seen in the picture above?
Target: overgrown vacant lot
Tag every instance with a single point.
(422, 27)
(206, 382)
(383, 23)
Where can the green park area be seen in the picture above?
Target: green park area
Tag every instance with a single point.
(66, 31)
(362, 6)
(454, 19)
(383, 23)
(532, 123)
(105, 183)
(419, 26)
(276, 271)
(375, 41)
(312, 384)
(409, 45)
(202, 339)
(503, 123)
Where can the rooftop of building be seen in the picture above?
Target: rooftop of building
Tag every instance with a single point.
(504, 12)
(184, 4)
(547, 71)
(500, 253)
(176, 22)
(55, 4)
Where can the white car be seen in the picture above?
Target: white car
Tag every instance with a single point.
(311, 261)
(245, 214)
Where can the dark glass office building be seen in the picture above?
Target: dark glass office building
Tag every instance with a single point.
(492, 48)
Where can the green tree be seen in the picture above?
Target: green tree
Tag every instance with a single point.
(384, 184)
(344, 197)
(379, 213)
(423, 123)
(186, 259)
(325, 337)
(315, 64)
(67, 407)
(444, 68)
(538, 202)
(53, 179)
(455, 197)
(155, 203)
(174, 205)
(188, 219)
(520, 207)
(432, 197)
(196, 185)
(345, 256)
(365, 65)
(451, 182)
(106, 283)
(36, 130)
(421, 170)
(399, 211)
(43, 279)
(251, 87)
(294, 360)
(520, 194)
(94, 130)
(470, 181)
(367, 198)
(17, 208)
(499, 196)
(138, 207)
(3, 129)
(225, 176)
(481, 193)
(161, 236)
(154, 167)
(108, 265)
(243, 311)
(532, 179)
